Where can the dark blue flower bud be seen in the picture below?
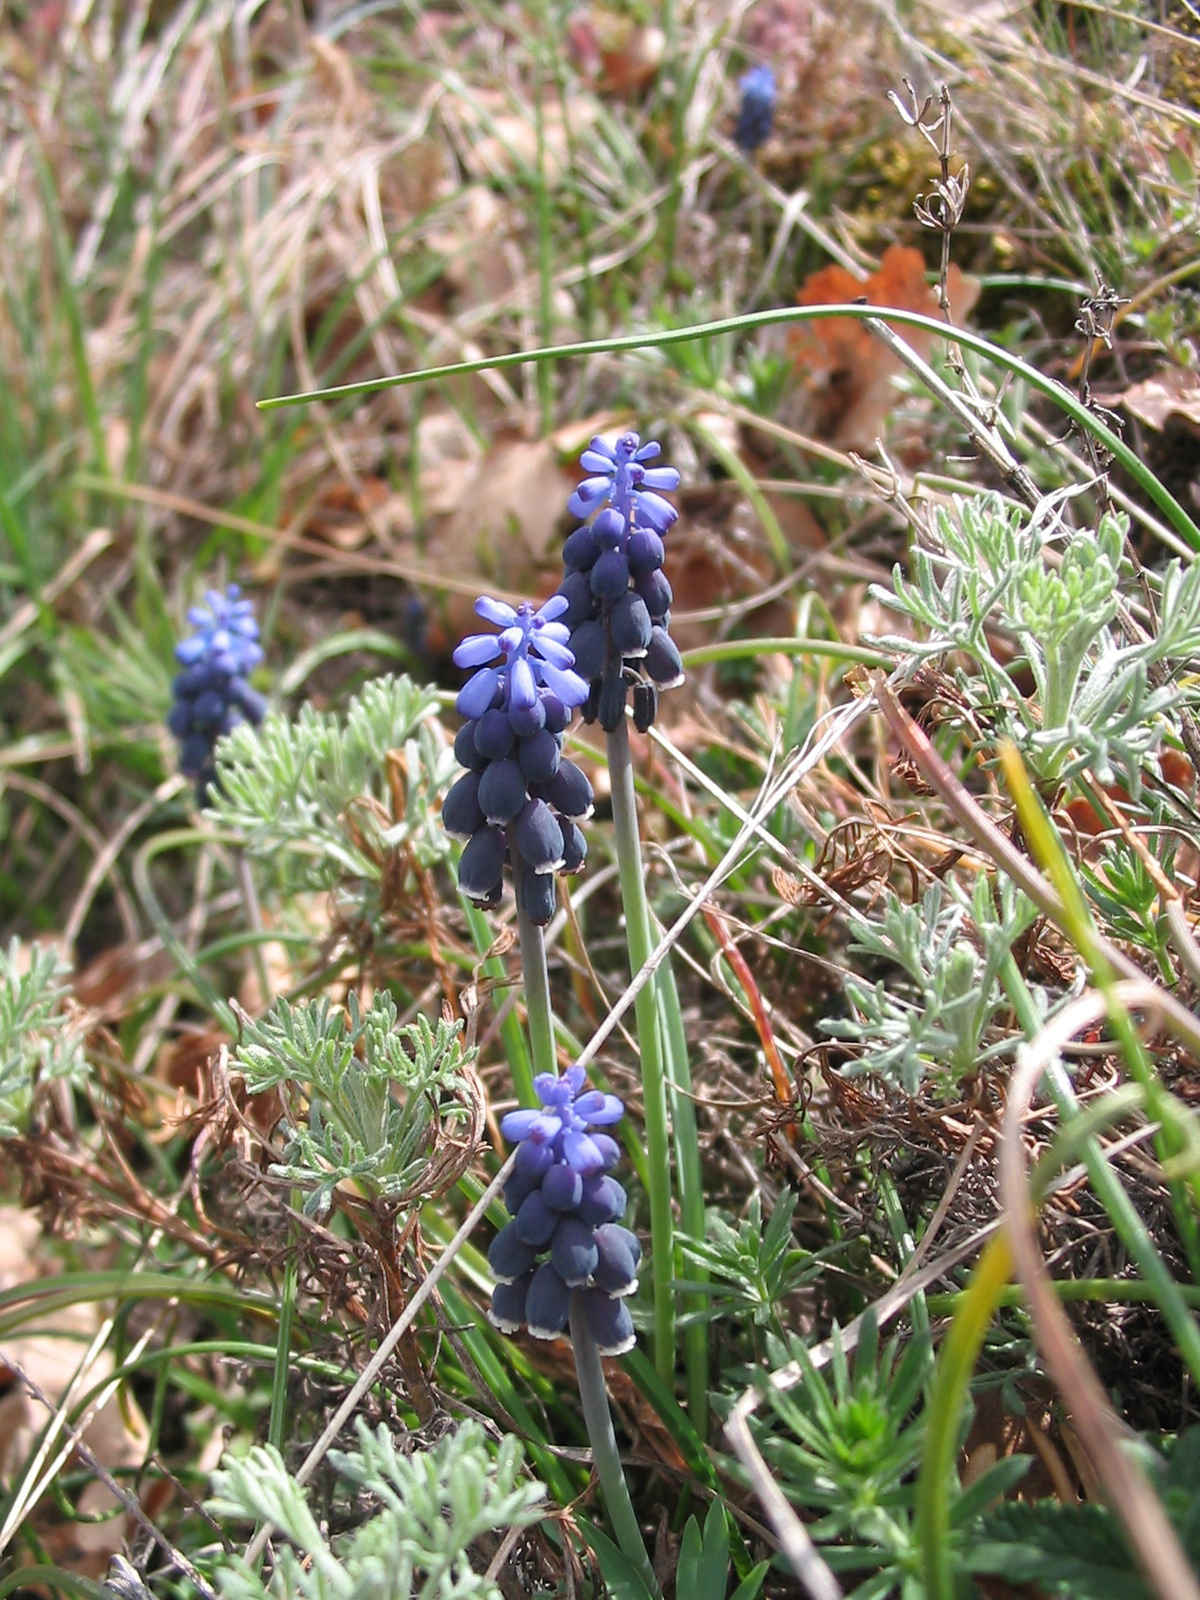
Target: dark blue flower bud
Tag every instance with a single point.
(528, 720)
(618, 1253)
(194, 680)
(537, 897)
(481, 865)
(494, 736)
(603, 1201)
(589, 644)
(248, 701)
(465, 751)
(655, 591)
(608, 1321)
(548, 1303)
(629, 625)
(208, 709)
(609, 528)
(610, 1150)
(663, 661)
(462, 815)
(569, 791)
(518, 1189)
(573, 1252)
(645, 552)
(562, 1187)
(179, 718)
(535, 1156)
(502, 790)
(509, 1256)
(574, 845)
(508, 1304)
(609, 578)
(540, 755)
(195, 755)
(557, 714)
(535, 1222)
(581, 549)
(613, 690)
(577, 589)
(539, 837)
(645, 705)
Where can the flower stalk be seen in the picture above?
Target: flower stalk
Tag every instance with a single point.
(640, 943)
(606, 1458)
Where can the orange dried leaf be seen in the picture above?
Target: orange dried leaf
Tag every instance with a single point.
(850, 373)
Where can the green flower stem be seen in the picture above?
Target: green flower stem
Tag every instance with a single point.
(606, 1459)
(516, 1051)
(691, 1197)
(639, 938)
(537, 988)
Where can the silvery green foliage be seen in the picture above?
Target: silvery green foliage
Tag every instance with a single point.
(935, 1021)
(37, 1041)
(1094, 708)
(364, 1100)
(314, 796)
(433, 1505)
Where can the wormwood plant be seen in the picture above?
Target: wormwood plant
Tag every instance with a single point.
(983, 579)
(365, 1103)
(327, 796)
(38, 1042)
(939, 1022)
(429, 1506)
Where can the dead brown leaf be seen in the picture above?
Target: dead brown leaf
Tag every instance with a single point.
(503, 529)
(1174, 392)
(849, 372)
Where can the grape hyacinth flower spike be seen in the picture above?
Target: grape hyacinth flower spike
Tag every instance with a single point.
(520, 801)
(211, 692)
(756, 114)
(565, 1237)
(618, 599)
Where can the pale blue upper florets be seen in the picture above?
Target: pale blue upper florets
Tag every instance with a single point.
(519, 802)
(533, 649)
(618, 599)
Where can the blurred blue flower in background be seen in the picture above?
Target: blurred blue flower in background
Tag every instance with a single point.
(212, 692)
(756, 114)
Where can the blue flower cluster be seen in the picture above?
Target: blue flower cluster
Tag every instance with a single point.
(618, 599)
(519, 800)
(756, 114)
(565, 1237)
(211, 692)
